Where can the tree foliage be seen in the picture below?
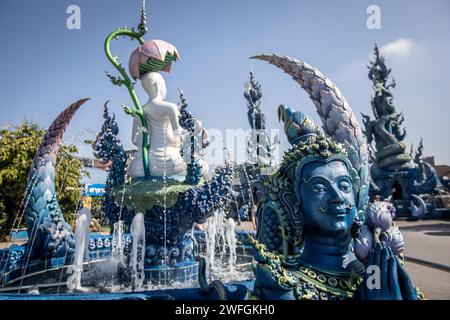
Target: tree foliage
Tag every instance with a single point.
(17, 149)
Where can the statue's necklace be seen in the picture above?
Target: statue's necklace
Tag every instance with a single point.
(318, 285)
(306, 282)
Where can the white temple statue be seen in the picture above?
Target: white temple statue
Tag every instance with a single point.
(164, 129)
(165, 132)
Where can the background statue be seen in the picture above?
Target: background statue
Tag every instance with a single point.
(259, 147)
(395, 174)
(385, 129)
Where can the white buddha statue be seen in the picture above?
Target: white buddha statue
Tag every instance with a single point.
(164, 131)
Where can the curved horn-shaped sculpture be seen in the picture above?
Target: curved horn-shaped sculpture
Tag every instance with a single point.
(338, 118)
(49, 235)
(421, 209)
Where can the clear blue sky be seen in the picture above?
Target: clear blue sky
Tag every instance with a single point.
(45, 66)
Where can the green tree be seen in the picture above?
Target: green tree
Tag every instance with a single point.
(17, 149)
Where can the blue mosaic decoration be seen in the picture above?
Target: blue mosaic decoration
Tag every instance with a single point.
(187, 122)
(186, 119)
(193, 173)
(107, 148)
(193, 206)
(168, 250)
(11, 258)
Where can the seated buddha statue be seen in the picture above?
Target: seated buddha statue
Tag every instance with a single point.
(164, 130)
(310, 218)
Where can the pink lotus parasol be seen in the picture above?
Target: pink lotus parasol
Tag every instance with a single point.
(156, 49)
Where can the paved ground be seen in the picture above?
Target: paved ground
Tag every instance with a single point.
(428, 240)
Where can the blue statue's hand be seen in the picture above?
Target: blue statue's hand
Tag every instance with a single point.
(409, 292)
(393, 282)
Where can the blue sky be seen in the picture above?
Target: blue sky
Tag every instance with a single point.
(46, 66)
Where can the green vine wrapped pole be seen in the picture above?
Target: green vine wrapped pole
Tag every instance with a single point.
(125, 80)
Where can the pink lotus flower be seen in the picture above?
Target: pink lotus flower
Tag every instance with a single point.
(393, 238)
(156, 49)
(378, 215)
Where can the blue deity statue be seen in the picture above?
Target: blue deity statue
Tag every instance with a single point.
(313, 214)
(394, 172)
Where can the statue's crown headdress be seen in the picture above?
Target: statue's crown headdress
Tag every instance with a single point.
(307, 139)
(297, 126)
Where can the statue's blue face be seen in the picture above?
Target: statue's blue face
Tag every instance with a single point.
(327, 197)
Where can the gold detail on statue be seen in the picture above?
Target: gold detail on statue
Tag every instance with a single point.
(321, 278)
(312, 274)
(333, 282)
(308, 284)
(344, 284)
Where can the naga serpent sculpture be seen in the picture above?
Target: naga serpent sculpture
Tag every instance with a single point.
(48, 233)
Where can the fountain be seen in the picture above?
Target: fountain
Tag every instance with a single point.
(81, 249)
(171, 195)
(230, 235)
(137, 230)
(118, 243)
(151, 201)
